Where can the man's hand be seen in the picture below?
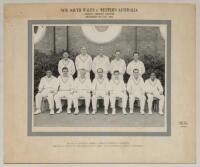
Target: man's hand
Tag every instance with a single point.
(40, 91)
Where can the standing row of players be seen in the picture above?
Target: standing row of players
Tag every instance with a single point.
(64, 87)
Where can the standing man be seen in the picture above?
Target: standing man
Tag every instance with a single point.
(100, 90)
(136, 90)
(84, 61)
(117, 90)
(65, 90)
(82, 88)
(47, 89)
(154, 89)
(118, 64)
(66, 62)
(136, 63)
(101, 61)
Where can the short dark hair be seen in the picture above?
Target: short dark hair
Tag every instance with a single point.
(100, 70)
(152, 73)
(135, 69)
(135, 53)
(64, 68)
(117, 51)
(116, 72)
(48, 68)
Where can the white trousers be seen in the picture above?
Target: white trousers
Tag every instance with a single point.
(82, 95)
(158, 96)
(132, 99)
(44, 94)
(115, 95)
(100, 95)
(63, 95)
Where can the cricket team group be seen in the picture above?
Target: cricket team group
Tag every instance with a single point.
(66, 88)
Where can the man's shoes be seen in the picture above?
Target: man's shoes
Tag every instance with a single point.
(113, 111)
(161, 113)
(106, 112)
(59, 111)
(69, 111)
(37, 112)
(124, 111)
(150, 112)
(52, 112)
(87, 111)
(142, 112)
(94, 112)
(76, 111)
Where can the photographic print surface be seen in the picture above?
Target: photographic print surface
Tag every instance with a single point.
(110, 75)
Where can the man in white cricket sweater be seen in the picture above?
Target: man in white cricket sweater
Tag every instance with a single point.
(117, 89)
(66, 62)
(101, 61)
(100, 90)
(154, 89)
(135, 63)
(136, 90)
(82, 89)
(118, 64)
(47, 89)
(65, 90)
(84, 61)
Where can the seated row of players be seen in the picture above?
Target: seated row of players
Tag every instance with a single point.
(66, 88)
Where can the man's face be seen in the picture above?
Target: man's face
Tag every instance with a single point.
(117, 55)
(116, 75)
(65, 72)
(135, 56)
(65, 55)
(82, 73)
(101, 51)
(48, 73)
(153, 76)
(136, 74)
(83, 51)
(100, 75)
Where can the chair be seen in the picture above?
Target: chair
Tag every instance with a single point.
(155, 105)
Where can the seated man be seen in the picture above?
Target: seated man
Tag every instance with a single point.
(47, 89)
(117, 89)
(82, 88)
(154, 89)
(100, 90)
(136, 90)
(65, 90)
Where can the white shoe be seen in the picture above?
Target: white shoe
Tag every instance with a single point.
(131, 111)
(106, 112)
(37, 112)
(94, 112)
(52, 112)
(59, 111)
(76, 111)
(124, 111)
(69, 111)
(161, 113)
(150, 112)
(87, 111)
(113, 111)
(142, 112)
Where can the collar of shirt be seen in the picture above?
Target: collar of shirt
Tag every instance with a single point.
(153, 83)
(136, 80)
